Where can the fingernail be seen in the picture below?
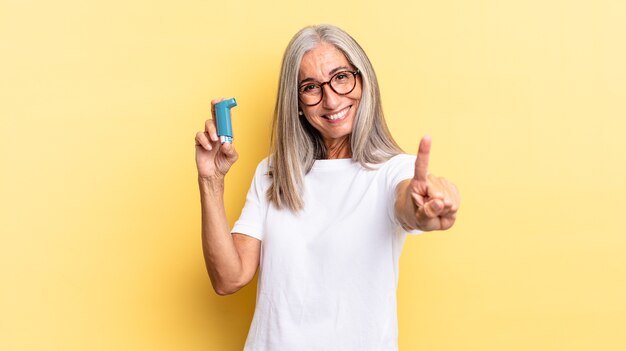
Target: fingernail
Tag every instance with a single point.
(436, 207)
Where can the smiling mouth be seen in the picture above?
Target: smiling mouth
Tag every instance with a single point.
(339, 115)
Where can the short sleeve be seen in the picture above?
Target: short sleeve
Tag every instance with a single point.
(251, 222)
(397, 169)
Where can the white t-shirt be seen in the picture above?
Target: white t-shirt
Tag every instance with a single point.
(328, 274)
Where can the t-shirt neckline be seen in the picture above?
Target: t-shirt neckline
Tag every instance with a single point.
(334, 164)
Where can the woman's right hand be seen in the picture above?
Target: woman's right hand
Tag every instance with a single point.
(212, 158)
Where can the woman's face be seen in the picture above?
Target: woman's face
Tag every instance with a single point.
(334, 115)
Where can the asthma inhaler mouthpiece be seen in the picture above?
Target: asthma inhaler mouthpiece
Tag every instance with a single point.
(222, 119)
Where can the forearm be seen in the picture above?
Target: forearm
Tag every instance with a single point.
(220, 254)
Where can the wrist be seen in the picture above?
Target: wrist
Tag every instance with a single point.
(409, 217)
(405, 208)
(211, 185)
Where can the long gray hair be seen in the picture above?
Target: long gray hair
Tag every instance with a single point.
(295, 144)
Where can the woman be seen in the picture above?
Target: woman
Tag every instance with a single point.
(327, 212)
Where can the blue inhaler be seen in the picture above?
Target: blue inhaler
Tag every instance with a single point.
(222, 119)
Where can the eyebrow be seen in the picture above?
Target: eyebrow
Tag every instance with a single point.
(331, 73)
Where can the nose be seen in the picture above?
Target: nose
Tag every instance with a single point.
(330, 100)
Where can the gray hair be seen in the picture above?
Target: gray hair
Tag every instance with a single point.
(295, 144)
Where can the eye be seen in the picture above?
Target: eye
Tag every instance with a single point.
(342, 76)
(309, 88)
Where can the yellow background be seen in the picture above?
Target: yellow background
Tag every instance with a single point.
(100, 103)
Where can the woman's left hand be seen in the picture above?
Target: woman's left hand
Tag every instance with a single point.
(434, 200)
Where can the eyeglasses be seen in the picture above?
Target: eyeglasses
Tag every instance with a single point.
(342, 83)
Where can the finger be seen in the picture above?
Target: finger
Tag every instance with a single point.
(427, 223)
(446, 222)
(428, 217)
(418, 199)
(203, 140)
(451, 199)
(435, 193)
(211, 129)
(448, 207)
(421, 162)
(430, 210)
(433, 208)
(456, 196)
(229, 151)
(432, 188)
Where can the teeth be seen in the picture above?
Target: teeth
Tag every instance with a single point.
(339, 114)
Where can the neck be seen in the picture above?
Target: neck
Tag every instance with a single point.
(338, 148)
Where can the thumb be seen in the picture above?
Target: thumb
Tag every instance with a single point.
(433, 208)
(229, 151)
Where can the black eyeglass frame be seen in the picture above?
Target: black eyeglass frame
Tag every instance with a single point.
(321, 85)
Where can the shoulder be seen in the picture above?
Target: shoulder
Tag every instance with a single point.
(263, 166)
(263, 169)
(398, 168)
(402, 158)
(398, 161)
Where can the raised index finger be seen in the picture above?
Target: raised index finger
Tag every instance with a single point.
(421, 163)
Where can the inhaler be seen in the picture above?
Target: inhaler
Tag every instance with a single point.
(222, 119)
